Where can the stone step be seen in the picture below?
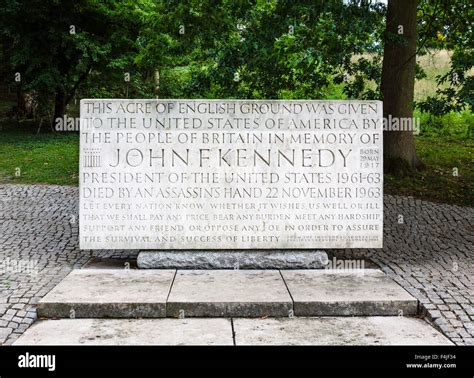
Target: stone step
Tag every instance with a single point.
(328, 330)
(385, 330)
(225, 293)
(109, 293)
(129, 293)
(358, 292)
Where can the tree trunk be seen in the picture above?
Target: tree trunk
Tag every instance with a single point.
(156, 83)
(397, 86)
(20, 102)
(59, 104)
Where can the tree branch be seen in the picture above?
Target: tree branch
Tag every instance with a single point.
(77, 83)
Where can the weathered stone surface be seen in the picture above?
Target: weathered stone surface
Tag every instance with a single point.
(129, 332)
(225, 293)
(220, 293)
(290, 259)
(118, 293)
(357, 292)
(230, 174)
(386, 330)
(38, 224)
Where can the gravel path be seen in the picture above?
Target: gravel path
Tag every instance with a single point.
(428, 250)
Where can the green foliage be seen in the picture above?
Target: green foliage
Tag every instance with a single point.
(455, 125)
(228, 49)
(55, 45)
(284, 48)
(447, 24)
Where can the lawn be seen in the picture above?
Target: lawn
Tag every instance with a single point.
(53, 158)
(448, 177)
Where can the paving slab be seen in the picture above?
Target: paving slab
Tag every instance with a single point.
(228, 293)
(358, 292)
(384, 330)
(434, 235)
(129, 332)
(114, 293)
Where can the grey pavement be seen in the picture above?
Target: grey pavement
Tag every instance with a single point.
(428, 250)
(375, 330)
(127, 293)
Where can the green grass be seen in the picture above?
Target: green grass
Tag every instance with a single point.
(446, 146)
(51, 158)
(444, 157)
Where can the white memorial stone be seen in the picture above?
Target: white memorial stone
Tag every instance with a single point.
(230, 174)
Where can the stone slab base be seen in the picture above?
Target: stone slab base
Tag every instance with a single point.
(129, 332)
(109, 293)
(226, 293)
(155, 293)
(359, 292)
(288, 259)
(270, 331)
(375, 330)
